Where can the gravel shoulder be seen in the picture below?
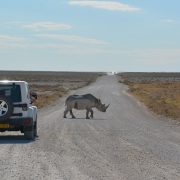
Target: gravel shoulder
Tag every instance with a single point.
(125, 143)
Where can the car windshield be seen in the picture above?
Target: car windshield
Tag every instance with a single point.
(11, 91)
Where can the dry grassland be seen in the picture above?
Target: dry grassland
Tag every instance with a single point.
(160, 92)
(50, 86)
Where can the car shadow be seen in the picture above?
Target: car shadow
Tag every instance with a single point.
(14, 139)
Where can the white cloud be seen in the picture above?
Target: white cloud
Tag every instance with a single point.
(169, 21)
(7, 38)
(152, 56)
(73, 38)
(73, 49)
(61, 43)
(11, 45)
(52, 46)
(8, 41)
(46, 26)
(107, 5)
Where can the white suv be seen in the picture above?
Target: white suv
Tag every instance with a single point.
(16, 110)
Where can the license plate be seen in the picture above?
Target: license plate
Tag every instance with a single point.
(4, 126)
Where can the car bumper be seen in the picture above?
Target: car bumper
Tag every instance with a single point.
(23, 124)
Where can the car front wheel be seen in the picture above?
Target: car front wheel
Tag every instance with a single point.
(35, 130)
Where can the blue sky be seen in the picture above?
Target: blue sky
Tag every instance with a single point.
(89, 35)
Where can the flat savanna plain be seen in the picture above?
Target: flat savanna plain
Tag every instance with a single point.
(160, 92)
(50, 86)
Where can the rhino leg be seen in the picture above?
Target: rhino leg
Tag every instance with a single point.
(65, 112)
(72, 114)
(91, 113)
(87, 114)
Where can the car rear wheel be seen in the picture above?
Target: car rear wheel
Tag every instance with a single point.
(30, 135)
(35, 130)
(6, 108)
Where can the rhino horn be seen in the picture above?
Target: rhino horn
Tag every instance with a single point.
(107, 106)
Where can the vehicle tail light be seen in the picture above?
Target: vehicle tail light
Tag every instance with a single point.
(28, 121)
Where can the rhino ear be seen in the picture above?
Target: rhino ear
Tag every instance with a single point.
(99, 101)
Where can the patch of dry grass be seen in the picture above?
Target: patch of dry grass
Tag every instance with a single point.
(50, 86)
(47, 94)
(161, 98)
(160, 92)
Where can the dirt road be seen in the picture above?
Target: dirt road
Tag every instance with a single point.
(125, 143)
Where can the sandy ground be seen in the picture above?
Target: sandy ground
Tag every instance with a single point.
(125, 143)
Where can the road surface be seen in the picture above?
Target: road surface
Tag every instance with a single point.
(125, 143)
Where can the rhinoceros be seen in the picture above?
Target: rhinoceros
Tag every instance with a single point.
(83, 102)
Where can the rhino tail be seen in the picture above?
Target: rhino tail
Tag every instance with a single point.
(65, 103)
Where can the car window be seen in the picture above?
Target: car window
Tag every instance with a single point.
(11, 91)
(27, 90)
